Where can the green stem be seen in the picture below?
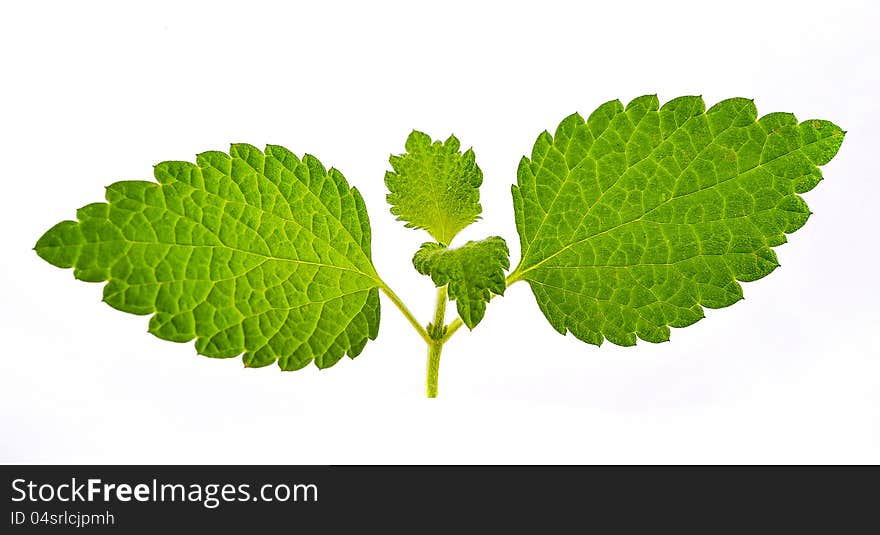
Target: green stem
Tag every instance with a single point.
(437, 332)
(440, 312)
(407, 314)
(434, 349)
(456, 323)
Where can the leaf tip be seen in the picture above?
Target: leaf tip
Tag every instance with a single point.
(416, 139)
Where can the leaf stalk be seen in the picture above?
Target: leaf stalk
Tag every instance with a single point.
(406, 313)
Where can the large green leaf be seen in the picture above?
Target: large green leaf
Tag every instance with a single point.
(634, 220)
(256, 253)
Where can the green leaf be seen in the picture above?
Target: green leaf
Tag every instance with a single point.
(434, 186)
(256, 253)
(473, 272)
(634, 220)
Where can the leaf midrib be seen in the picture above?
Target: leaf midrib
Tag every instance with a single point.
(237, 249)
(639, 218)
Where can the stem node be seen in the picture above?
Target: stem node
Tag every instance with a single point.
(437, 332)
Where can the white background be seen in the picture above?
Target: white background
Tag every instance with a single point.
(98, 92)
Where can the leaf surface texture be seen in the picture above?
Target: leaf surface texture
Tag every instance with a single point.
(434, 186)
(256, 253)
(634, 220)
(473, 273)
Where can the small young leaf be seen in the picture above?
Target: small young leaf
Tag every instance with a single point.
(434, 186)
(632, 221)
(262, 254)
(473, 272)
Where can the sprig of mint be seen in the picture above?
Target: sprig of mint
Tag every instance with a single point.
(630, 222)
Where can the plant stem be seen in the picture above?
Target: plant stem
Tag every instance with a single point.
(407, 314)
(456, 323)
(437, 332)
(440, 312)
(434, 349)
